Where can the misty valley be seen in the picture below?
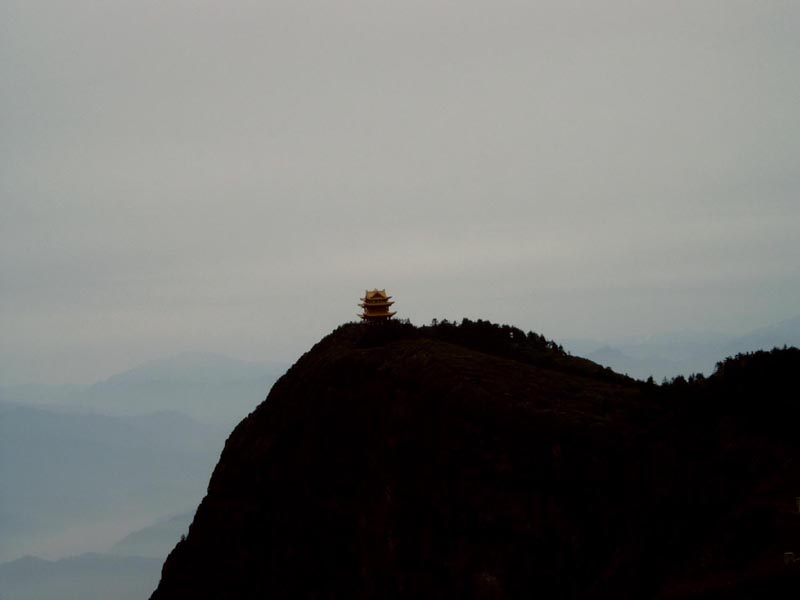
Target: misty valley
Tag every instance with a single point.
(100, 481)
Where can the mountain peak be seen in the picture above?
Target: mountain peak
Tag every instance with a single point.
(467, 459)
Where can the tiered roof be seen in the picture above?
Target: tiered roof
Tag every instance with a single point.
(376, 305)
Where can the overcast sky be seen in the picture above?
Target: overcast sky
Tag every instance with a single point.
(230, 176)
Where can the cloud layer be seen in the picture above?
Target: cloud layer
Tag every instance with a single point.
(231, 176)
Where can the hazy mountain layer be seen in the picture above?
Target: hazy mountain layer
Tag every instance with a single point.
(685, 353)
(156, 540)
(75, 481)
(130, 571)
(89, 576)
(208, 387)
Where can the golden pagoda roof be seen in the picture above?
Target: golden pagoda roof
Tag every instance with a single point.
(375, 294)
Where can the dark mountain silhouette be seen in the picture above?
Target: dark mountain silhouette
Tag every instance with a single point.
(479, 461)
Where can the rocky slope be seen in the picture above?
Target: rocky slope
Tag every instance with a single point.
(477, 461)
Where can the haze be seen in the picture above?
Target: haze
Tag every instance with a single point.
(230, 176)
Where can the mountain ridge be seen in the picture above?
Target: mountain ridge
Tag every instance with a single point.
(676, 354)
(479, 461)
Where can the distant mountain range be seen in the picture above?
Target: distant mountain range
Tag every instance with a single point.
(211, 388)
(129, 571)
(683, 353)
(74, 481)
(82, 466)
(87, 576)
(156, 540)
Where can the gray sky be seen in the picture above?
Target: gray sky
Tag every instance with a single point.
(230, 176)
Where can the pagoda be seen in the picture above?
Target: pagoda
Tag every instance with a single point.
(376, 306)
